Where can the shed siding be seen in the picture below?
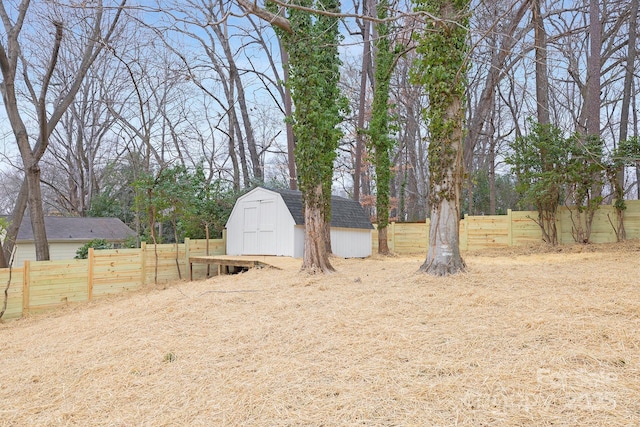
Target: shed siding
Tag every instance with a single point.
(299, 241)
(345, 242)
(351, 242)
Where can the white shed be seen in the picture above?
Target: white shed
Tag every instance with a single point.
(271, 222)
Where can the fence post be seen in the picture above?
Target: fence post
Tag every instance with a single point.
(393, 236)
(187, 251)
(91, 259)
(25, 287)
(510, 227)
(143, 262)
(224, 241)
(464, 237)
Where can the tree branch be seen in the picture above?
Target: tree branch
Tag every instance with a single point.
(341, 15)
(277, 20)
(41, 105)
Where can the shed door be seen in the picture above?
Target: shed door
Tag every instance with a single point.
(267, 228)
(250, 228)
(259, 228)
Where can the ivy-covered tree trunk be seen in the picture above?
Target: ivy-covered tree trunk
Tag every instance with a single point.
(383, 180)
(288, 111)
(316, 255)
(441, 70)
(326, 192)
(381, 143)
(314, 72)
(311, 42)
(443, 257)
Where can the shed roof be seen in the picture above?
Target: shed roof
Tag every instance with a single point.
(345, 213)
(77, 228)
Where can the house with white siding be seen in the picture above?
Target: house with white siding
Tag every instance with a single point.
(66, 235)
(271, 222)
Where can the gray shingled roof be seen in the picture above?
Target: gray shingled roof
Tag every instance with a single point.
(345, 213)
(78, 229)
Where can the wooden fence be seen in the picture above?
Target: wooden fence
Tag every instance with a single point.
(42, 285)
(516, 228)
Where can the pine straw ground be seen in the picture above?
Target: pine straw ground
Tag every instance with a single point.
(527, 337)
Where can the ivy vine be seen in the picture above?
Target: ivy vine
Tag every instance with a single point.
(380, 125)
(441, 69)
(314, 73)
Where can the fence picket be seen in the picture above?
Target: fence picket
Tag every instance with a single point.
(45, 285)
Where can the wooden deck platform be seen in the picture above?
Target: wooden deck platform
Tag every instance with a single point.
(247, 261)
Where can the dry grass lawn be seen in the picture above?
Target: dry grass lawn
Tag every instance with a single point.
(525, 338)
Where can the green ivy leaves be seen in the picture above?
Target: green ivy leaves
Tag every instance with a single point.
(441, 69)
(380, 127)
(314, 73)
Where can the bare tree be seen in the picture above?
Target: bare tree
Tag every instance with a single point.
(81, 142)
(542, 75)
(501, 30)
(411, 160)
(594, 60)
(224, 44)
(367, 8)
(13, 61)
(629, 75)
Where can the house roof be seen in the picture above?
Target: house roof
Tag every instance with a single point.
(78, 229)
(345, 213)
